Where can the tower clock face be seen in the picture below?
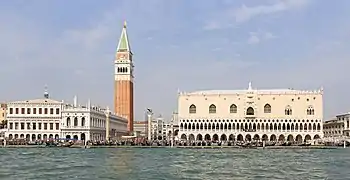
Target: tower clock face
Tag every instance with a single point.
(123, 56)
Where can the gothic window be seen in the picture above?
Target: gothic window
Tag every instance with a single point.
(75, 121)
(267, 108)
(212, 109)
(192, 109)
(233, 108)
(288, 110)
(68, 121)
(250, 111)
(310, 111)
(83, 121)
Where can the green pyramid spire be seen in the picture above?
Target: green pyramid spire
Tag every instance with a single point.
(123, 44)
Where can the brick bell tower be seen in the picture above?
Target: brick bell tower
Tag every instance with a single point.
(124, 80)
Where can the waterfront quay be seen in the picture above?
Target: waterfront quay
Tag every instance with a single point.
(181, 144)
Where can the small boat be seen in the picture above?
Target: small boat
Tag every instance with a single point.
(50, 144)
(288, 144)
(304, 144)
(66, 144)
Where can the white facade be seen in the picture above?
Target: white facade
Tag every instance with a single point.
(91, 123)
(277, 114)
(141, 128)
(337, 127)
(37, 119)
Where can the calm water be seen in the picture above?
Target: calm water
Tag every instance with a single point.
(152, 164)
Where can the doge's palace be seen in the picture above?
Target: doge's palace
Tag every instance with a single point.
(251, 114)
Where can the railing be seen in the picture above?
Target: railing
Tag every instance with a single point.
(75, 127)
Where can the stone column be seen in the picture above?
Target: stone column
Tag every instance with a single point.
(107, 124)
(149, 120)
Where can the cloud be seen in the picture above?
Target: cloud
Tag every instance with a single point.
(231, 16)
(212, 25)
(245, 13)
(253, 39)
(258, 37)
(269, 35)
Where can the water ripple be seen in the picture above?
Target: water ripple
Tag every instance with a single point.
(168, 163)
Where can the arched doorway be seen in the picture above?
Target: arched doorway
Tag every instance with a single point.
(75, 137)
(248, 137)
(199, 137)
(299, 138)
(265, 138)
(16, 136)
(45, 136)
(183, 137)
(273, 137)
(215, 137)
(82, 136)
(223, 137)
(10, 136)
(33, 137)
(307, 137)
(57, 136)
(256, 137)
(191, 137)
(51, 136)
(281, 137)
(68, 137)
(231, 137)
(240, 137)
(21, 136)
(28, 137)
(316, 136)
(290, 138)
(39, 136)
(207, 137)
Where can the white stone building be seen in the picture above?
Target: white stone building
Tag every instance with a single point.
(91, 123)
(37, 119)
(338, 127)
(275, 115)
(141, 128)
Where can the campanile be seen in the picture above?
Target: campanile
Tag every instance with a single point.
(124, 80)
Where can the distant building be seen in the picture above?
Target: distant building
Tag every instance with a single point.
(3, 108)
(337, 127)
(37, 119)
(251, 114)
(157, 128)
(141, 128)
(44, 119)
(91, 123)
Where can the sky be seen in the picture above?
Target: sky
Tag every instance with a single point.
(184, 45)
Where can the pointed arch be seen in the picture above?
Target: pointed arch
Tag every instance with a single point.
(233, 108)
(310, 110)
(288, 110)
(267, 108)
(192, 109)
(212, 109)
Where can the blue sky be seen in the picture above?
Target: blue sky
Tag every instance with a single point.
(177, 44)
